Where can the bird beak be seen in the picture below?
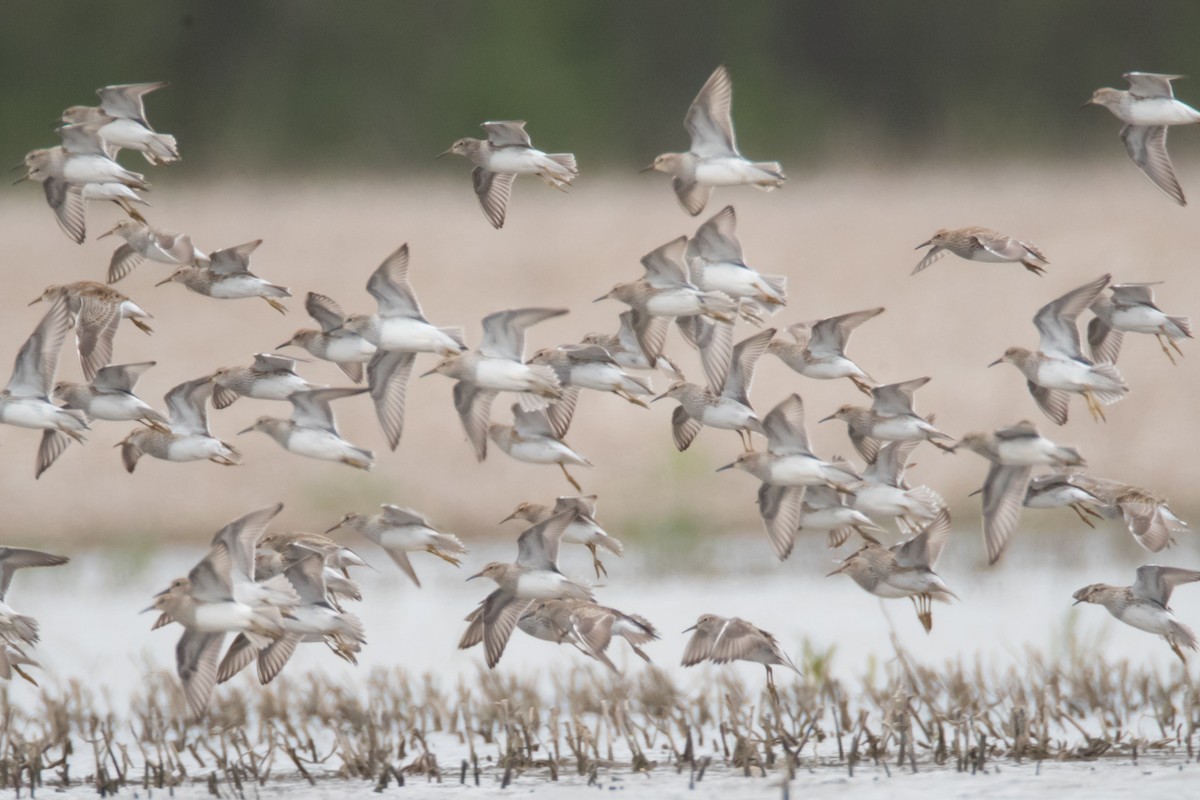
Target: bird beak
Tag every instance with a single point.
(288, 343)
(650, 169)
(602, 297)
(727, 466)
(108, 232)
(659, 397)
(20, 179)
(841, 568)
(445, 153)
(160, 283)
(476, 575)
(826, 419)
(925, 243)
(688, 630)
(35, 301)
(148, 608)
(247, 430)
(999, 360)
(1077, 602)
(1088, 103)
(427, 374)
(509, 517)
(334, 528)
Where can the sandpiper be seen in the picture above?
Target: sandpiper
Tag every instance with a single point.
(583, 529)
(722, 640)
(825, 508)
(69, 201)
(663, 294)
(905, 569)
(188, 438)
(1144, 604)
(534, 576)
(109, 396)
(625, 349)
(588, 626)
(716, 264)
(400, 531)
(498, 366)
(883, 491)
(890, 418)
(713, 159)
(240, 539)
(981, 244)
(270, 377)
(726, 406)
(531, 438)
(400, 324)
(80, 160)
(506, 153)
(1148, 108)
(785, 469)
(25, 400)
(311, 430)
(121, 121)
(819, 350)
(96, 312)
(1013, 452)
(278, 549)
(580, 366)
(227, 276)
(1065, 489)
(1147, 515)
(144, 241)
(1058, 369)
(1131, 309)
(337, 341)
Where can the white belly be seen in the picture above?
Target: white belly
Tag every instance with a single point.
(407, 537)
(1061, 373)
(126, 133)
(413, 336)
(543, 451)
(92, 169)
(797, 470)
(277, 387)
(673, 303)
(316, 443)
(735, 280)
(116, 407)
(880, 500)
(1139, 319)
(503, 375)
(31, 413)
(110, 191)
(1161, 111)
(600, 377)
(727, 172)
(195, 448)
(348, 348)
(1027, 452)
(237, 287)
(827, 519)
(898, 429)
(1148, 618)
(222, 617)
(728, 415)
(542, 585)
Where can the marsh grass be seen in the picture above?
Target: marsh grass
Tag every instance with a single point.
(585, 725)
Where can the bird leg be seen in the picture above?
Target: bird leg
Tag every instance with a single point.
(597, 564)
(141, 326)
(275, 304)
(862, 385)
(29, 677)
(1174, 346)
(1094, 406)
(1036, 269)
(750, 315)
(1080, 511)
(1171, 642)
(443, 556)
(624, 395)
(1163, 340)
(771, 686)
(574, 482)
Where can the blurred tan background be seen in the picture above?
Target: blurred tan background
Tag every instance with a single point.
(842, 234)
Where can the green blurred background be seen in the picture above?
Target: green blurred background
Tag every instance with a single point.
(362, 87)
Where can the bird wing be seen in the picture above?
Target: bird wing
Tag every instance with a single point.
(211, 579)
(738, 639)
(1150, 84)
(15, 558)
(311, 409)
(37, 360)
(507, 133)
(307, 576)
(741, 365)
(325, 310)
(70, 209)
(924, 549)
(1134, 294)
(829, 336)
(896, 399)
(493, 190)
(120, 377)
(1104, 341)
(932, 255)
(1156, 583)
(396, 515)
(699, 647)
(124, 259)
(269, 362)
(785, 430)
(233, 260)
(96, 325)
(714, 340)
(1003, 499)
(504, 331)
(83, 139)
(125, 100)
(52, 445)
(1147, 147)
(196, 662)
(474, 407)
(780, 507)
(501, 611)
(1055, 321)
(537, 547)
(709, 119)
(684, 428)
(387, 377)
(187, 406)
(529, 424)
(665, 265)
(1054, 403)
(240, 538)
(716, 240)
(390, 287)
(1145, 521)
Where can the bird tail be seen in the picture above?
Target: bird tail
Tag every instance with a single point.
(778, 286)
(718, 305)
(274, 290)
(1183, 327)
(455, 333)
(1113, 386)
(566, 162)
(635, 386)
(1182, 635)
(774, 175)
(161, 148)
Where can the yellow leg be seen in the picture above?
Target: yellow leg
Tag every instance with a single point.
(443, 556)
(275, 304)
(862, 385)
(29, 677)
(597, 564)
(141, 326)
(1086, 521)
(574, 482)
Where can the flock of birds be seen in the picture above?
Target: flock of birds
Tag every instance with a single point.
(276, 589)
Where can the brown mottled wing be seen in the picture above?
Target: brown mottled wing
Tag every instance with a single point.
(698, 649)
(387, 376)
(684, 428)
(474, 406)
(241, 654)
(507, 133)
(1054, 403)
(1104, 342)
(1145, 521)
(273, 657)
(1156, 583)
(780, 509)
(493, 190)
(325, 310)
(651, 333)
(692, 196)
(70, 209)
(736, 640)
(561, 411)
(501, 611)
(931, 256)
(196, 662)
(1056, 321)
(95, 328)
(51, 447)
